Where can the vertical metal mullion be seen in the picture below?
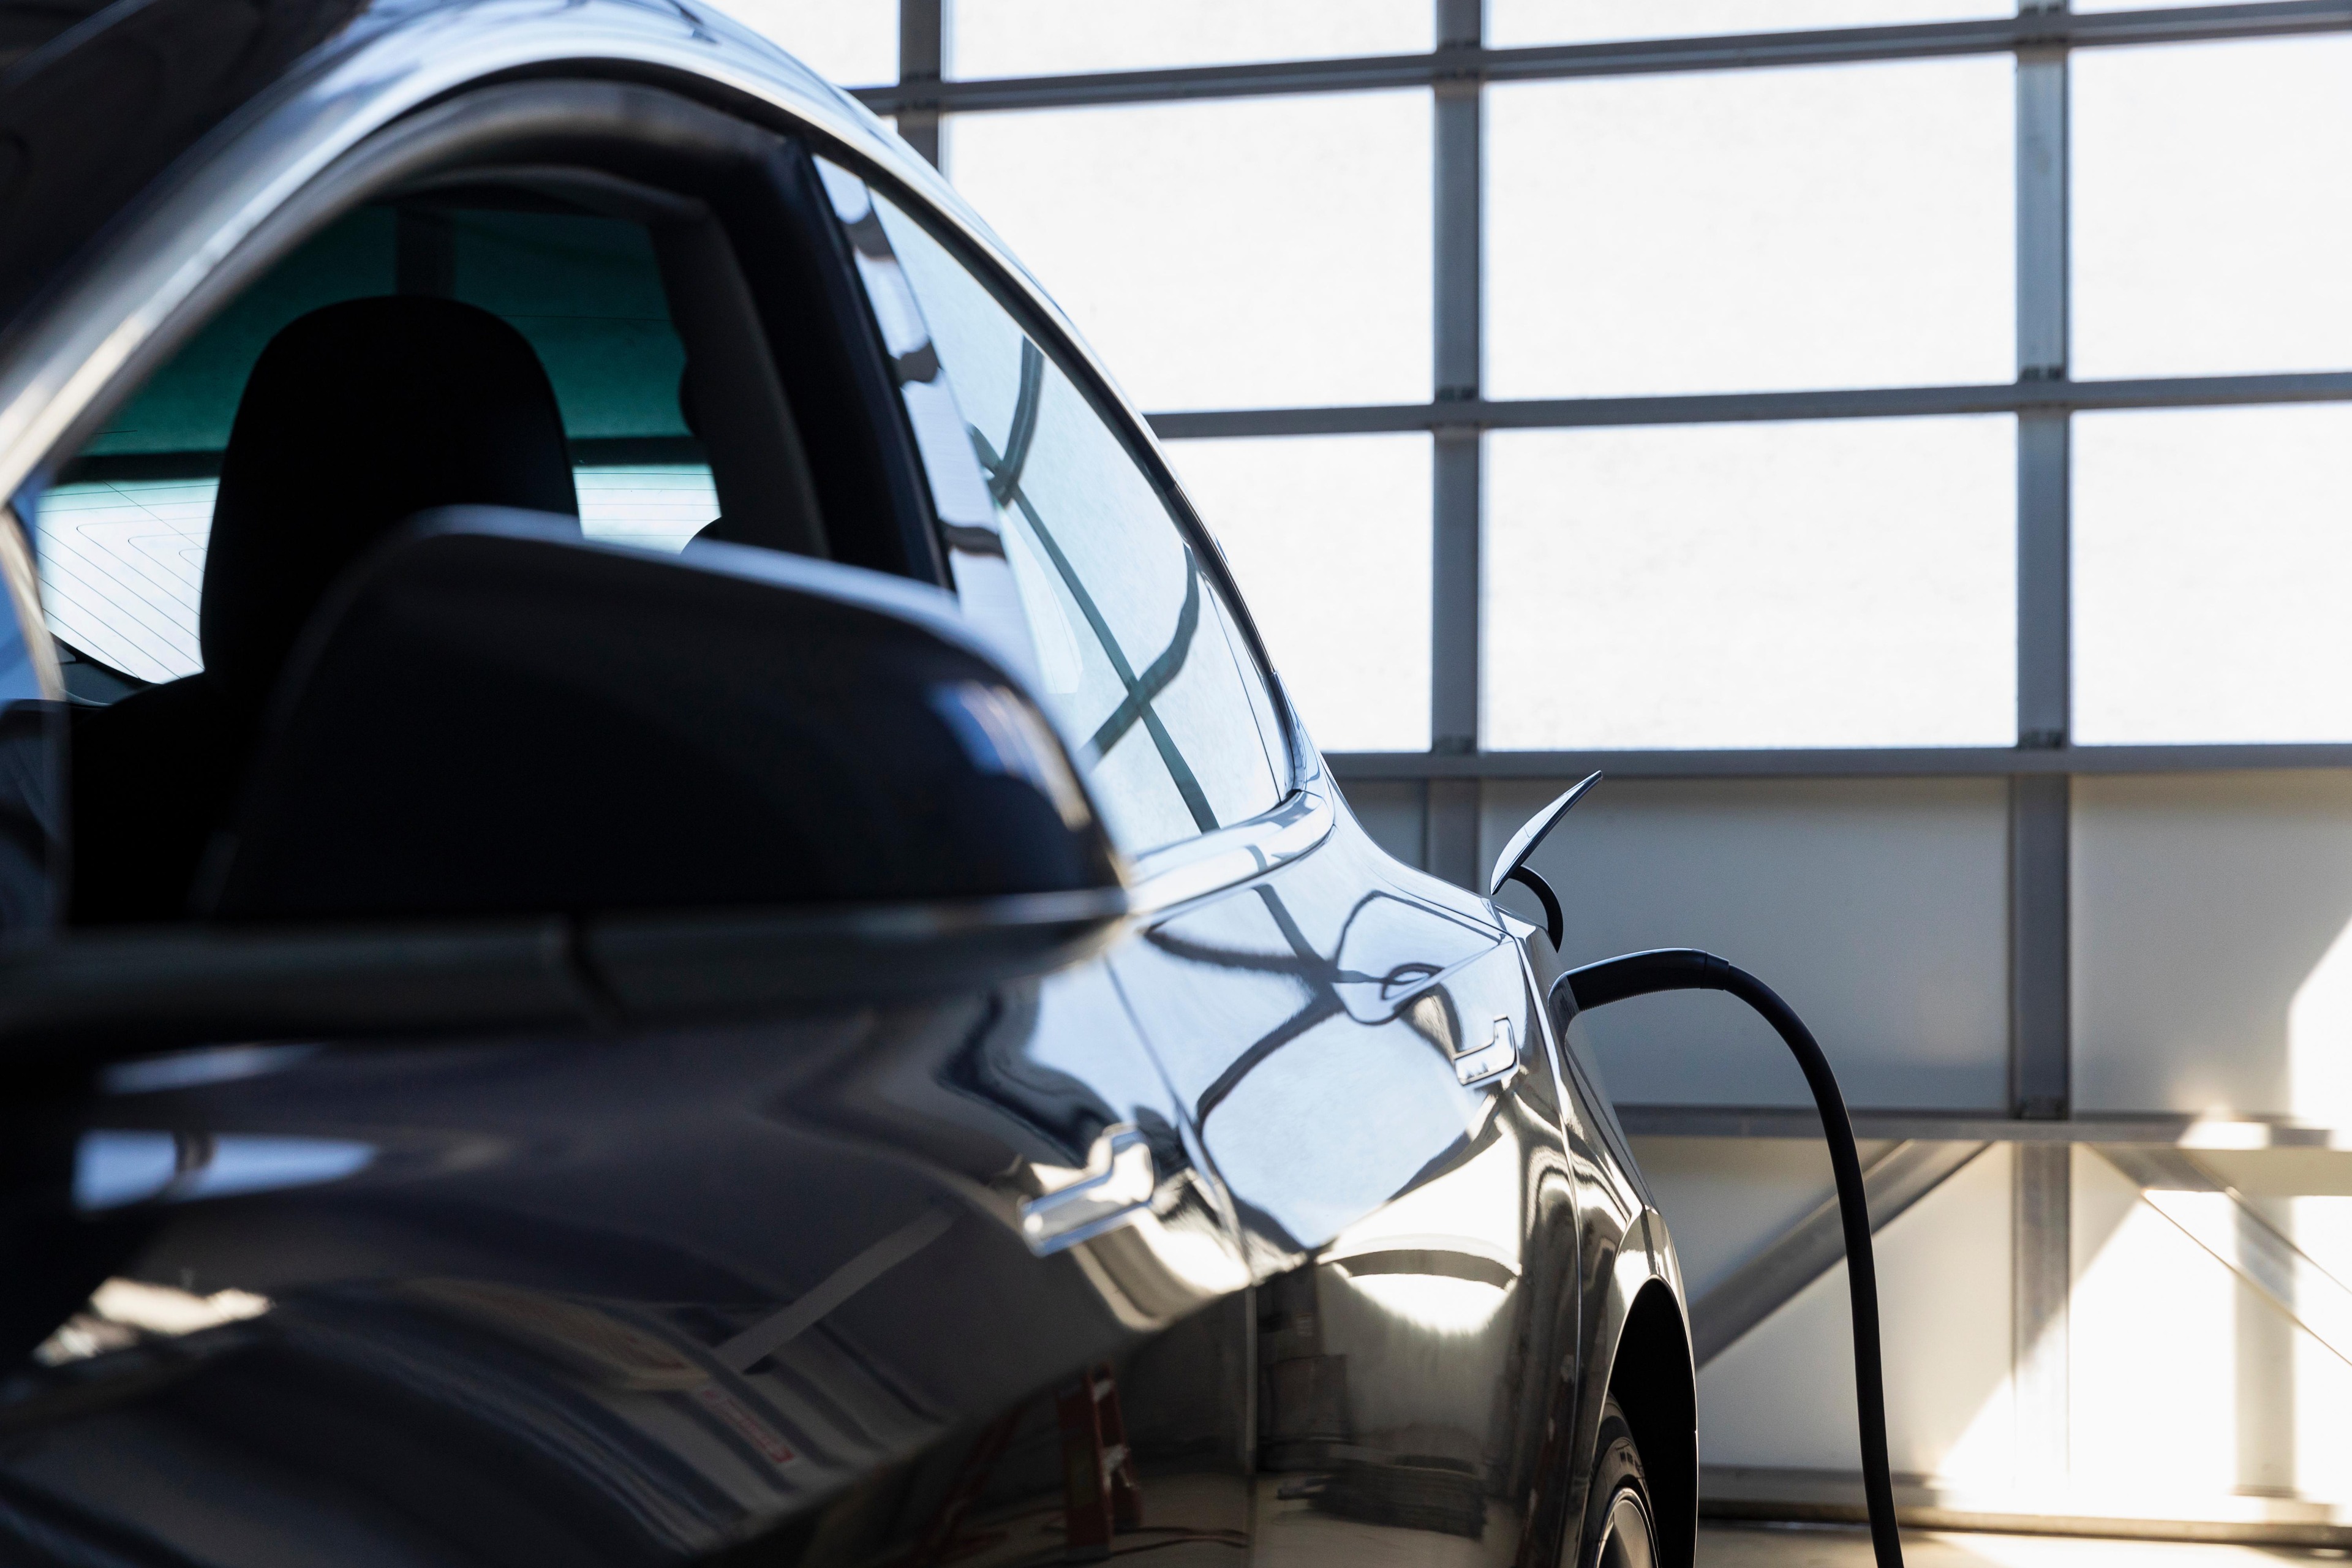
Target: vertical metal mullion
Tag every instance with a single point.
(2037, 1057)
(1456, 176)
(2041, 807)
(2040, 1219)
(922, 54)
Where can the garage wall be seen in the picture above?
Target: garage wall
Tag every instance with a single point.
(1878, 907)
(2213, 945)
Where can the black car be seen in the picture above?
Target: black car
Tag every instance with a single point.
(659, 906)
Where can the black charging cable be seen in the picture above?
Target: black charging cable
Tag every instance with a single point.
(1687, 969)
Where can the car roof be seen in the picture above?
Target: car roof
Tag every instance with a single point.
(112, 118)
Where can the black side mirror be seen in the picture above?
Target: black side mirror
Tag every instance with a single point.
(516, 780)
(493, 718)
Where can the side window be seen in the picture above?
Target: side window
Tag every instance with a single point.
(122, 539)
(1129, 640)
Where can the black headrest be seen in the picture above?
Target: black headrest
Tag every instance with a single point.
(356, 416)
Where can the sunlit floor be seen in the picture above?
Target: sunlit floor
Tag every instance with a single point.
(1727, 1546)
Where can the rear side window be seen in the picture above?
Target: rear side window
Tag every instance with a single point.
(1130, 641)
(121, 541)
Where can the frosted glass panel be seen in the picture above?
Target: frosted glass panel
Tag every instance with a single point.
(1328, 538)
(1834, 584)
(654, 505)
(122, 566)
(123, 562)
(1511, 23)
(854, 42)
(2212, 567)
(1032, 37)
(1878, 907)
(2213, 945)
(2213, 209)
(1247, 254)
(1754, 229)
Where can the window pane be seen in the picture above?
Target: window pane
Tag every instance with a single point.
(1753, 230)
(1511, 23)
(2213, 209)
(1328, 538)
(1841, 582)
(1134, 655)
(1249, 254)
(853, 42)
(1033, 38)
(122, 560)
(122, 564)
(2213, 566)
(652, 506)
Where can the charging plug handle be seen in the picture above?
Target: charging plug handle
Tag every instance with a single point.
(1687, 969)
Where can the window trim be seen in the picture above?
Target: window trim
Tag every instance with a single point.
(977, 251)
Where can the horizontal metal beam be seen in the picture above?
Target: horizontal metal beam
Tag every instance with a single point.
(2158, 1130)
(1858, 762)
(1993, 35)
(1724, 407)
(1769, 1281)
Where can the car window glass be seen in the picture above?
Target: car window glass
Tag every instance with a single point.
(1132, 643)
(121, 541)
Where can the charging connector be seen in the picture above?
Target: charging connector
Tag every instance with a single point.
(1687, 969)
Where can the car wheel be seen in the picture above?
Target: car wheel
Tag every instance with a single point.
(1620, 1527)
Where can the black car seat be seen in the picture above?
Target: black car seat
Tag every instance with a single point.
(355, 416)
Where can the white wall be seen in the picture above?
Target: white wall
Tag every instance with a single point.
(1878, 907)
(1782, 1397)
(2213, 937)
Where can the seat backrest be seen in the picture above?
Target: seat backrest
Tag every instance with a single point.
(357, 415)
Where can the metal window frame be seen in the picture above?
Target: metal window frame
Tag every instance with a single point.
(2041, 36)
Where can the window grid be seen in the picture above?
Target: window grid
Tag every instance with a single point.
(2040, 37)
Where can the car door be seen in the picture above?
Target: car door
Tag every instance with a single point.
(1362, 1055)
(917, 1282)
(1356, 1046)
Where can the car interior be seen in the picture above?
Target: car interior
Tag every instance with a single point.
(560, 341)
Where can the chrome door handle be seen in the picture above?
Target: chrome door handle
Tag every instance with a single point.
(1492, 1062)
(1117, 1188)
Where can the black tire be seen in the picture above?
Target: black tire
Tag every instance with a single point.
(1620, 1527)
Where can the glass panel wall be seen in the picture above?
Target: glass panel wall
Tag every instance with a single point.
(1033, 38)
(1513, 23)
(2212, 207)
(854, 42)
(2212, 569)
(1244, 253)
(1328, 538)
(1844, 583)
(1740, 230)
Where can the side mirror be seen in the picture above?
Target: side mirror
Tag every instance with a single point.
(493, 718)
(1511, 866)
(513, 779)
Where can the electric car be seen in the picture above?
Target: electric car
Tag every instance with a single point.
(659, 906)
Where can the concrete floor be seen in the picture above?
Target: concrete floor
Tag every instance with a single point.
(1725, 1546)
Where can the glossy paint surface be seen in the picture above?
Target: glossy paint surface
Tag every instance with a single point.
(1276, 1233)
